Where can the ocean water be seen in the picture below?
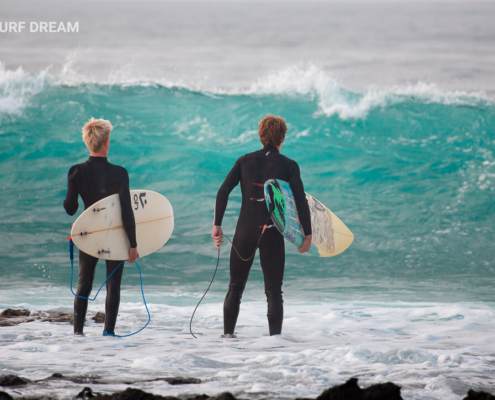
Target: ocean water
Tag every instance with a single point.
(396, 135)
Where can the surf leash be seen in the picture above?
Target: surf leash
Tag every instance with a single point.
(216, 268)
(71, 252)
(192, 316)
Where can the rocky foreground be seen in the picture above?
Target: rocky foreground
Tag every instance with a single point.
(347, 391)
(10, 317)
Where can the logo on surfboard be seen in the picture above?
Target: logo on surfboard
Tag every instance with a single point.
(140, 198)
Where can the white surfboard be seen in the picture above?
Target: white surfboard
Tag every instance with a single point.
(99, 230)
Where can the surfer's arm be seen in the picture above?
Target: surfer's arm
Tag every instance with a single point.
(306, 246)
(70, 203)
(301, 201)
(217, 236)
(127, 213)
(133, 255)
(228, 185)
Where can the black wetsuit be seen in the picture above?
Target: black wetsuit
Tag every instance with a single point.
(94, 180)
(253, 170)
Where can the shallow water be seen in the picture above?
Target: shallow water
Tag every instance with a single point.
(434, 350)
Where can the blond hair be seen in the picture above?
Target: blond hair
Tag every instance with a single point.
(95, 133)
(272, 130)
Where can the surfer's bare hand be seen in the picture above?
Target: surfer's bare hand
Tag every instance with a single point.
(133, 255)
(217, 235)
(306, 244)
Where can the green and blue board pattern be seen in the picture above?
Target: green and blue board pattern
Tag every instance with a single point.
(280, 200)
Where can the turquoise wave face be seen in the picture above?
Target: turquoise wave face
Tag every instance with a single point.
(411, 175)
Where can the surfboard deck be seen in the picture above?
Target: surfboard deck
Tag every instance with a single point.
(99, 230)
(330, 235)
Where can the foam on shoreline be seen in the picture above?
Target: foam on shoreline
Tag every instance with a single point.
(432, 350)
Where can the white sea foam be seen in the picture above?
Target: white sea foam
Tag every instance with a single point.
(433, 350)
(309, 81)
(17, 87)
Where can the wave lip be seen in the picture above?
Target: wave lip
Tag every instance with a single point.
(334, 99)
(358, 106)
(307, 82)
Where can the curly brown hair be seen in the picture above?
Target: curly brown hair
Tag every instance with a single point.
(272, 130)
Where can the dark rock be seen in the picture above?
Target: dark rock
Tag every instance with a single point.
(221, 396)
(13, 380)
(99, 318)
(15, 321)
(179, 380)
(86, 393)
(55, 375)
(96, 379)
(472, 395)
(347, 391)
(382, 391)
(133, 394)
(57, 316)
(75, 379)
(10, 313)
(10, 317)
(351, 391)
(5, 396)
(224, 396)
